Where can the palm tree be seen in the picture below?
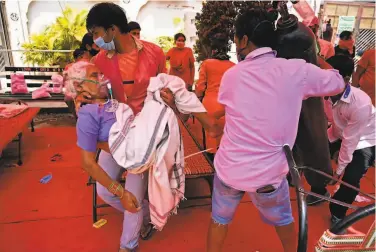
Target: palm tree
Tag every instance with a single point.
(64, 34)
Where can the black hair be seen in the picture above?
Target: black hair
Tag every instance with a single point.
(178, 35)
(106, 15)
(345, 35)
(344, 64)
(220, 46)
(256, 24)
(134, 26)
(87, 40)
(77, 53)
(219, 41)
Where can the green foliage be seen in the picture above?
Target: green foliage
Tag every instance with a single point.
(165, 42)
(219, 17)
(177, 21)
(64, 34)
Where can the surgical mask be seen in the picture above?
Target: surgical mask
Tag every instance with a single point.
(105, 46)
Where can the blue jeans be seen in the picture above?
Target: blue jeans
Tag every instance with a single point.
(274, 207)
(137, 185)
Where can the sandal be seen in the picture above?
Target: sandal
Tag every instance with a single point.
(149, 234)
(56, 157)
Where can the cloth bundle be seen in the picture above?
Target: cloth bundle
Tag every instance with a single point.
(11, 110)
(18, 84)
(151, 141)
(45, 90)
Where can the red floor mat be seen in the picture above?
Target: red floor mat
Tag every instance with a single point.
(57, 216)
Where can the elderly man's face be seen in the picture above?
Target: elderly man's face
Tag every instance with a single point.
(91, 87)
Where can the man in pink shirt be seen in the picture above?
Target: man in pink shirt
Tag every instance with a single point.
(262, 97)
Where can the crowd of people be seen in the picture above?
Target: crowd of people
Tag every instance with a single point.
(253, 110)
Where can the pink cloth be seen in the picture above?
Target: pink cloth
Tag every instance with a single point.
(11, 110)
(263, 97)
(306, 13)
(18, 84)
(57, 83)
(42, 92)
(151, 61)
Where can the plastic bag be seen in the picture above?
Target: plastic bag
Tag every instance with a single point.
(306, 13)
(18, 84)
(41, 92)
(57, 83)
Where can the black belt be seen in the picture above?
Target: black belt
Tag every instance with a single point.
(128, 82)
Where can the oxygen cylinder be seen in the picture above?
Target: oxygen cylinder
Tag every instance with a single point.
(295, 40)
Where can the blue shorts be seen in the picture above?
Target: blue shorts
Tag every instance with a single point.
(274, 208)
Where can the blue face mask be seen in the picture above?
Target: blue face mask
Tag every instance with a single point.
(105, 46)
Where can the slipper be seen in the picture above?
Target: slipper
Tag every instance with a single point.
(56, 157)
(148, 234)
(46, 179)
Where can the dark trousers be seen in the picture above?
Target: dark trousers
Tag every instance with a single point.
(362, 160)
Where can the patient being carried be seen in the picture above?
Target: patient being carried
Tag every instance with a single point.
(147, 142)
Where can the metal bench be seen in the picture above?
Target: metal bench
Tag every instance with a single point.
(198, 166)
(34, 78)
(332, 239)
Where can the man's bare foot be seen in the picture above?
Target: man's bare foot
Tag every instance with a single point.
(124, 250)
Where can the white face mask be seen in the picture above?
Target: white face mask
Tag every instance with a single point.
(105, 46)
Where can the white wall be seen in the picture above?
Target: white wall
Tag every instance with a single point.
(156, 18)
(43, 13)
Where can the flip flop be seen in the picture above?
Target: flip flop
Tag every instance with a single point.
(56, 157)
(148, 234)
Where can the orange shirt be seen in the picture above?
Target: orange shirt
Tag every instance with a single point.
(211, 72)
(184, 59)
(326, 49)
(150, 62)
(127, 66)
(367, 80)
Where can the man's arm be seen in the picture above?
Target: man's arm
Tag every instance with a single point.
(192, 67)
(319, 82)
(351, 135)
(357, 75)
(209, 123)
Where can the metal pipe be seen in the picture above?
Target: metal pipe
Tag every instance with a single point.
(302, 204)
(340, 181)
(352, 218)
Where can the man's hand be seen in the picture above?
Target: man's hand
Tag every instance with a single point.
(333, 182)
(168, 97)
(83, 98)
(214, 129)
(178, 68)
(103, 146)
(129, 202)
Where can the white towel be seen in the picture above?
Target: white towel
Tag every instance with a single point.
(152, 141)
